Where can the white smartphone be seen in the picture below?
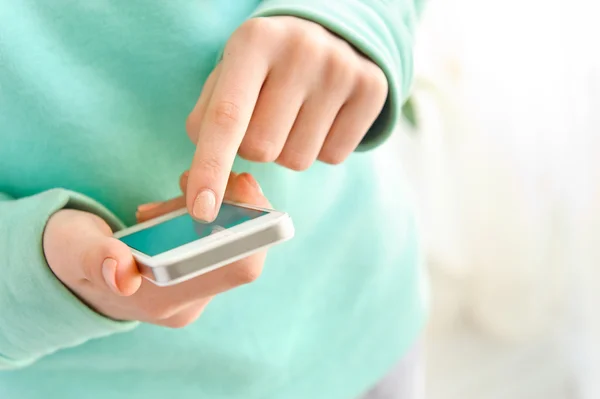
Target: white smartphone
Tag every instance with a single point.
(175, 248)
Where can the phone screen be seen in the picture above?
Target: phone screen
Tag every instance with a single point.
(182, 230)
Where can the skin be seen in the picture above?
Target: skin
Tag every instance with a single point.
(286, 91)
(102, 272)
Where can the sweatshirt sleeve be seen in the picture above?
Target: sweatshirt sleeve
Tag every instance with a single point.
(381, 29)
(38, 314)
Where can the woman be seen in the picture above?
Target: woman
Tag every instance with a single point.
(93, 100)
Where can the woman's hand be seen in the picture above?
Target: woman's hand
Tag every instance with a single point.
(286, 90)
(102, 272)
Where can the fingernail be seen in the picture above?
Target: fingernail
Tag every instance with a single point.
(204, 206)
(252, 181)
(148, 206)
(109, 272)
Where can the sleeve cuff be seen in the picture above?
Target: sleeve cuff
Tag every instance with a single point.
(39, 314)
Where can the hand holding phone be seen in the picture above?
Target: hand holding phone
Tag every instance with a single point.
(101, 270)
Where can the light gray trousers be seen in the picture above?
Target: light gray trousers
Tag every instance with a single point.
(405, 381)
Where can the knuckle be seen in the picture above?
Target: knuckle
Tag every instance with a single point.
(226, 113)
(380, 83)
(340, 70)
(245, 274)
(258, 151)
(338, 60)
(302, 40)
(373, 82)
(210, 167)
(295, 162)
(254, 30)
(364, 82)
(332, 157)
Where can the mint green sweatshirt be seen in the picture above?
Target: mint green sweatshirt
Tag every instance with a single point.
(93, 99)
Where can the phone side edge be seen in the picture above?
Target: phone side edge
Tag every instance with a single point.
(213, 258)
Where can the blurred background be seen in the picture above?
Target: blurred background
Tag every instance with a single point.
(504, 161)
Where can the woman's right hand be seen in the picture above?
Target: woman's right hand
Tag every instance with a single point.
(102, 272)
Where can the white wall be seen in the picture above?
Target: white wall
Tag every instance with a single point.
(507, 170)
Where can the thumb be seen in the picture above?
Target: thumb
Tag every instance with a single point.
(112, 266)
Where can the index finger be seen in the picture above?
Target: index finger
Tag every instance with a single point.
(225, 122)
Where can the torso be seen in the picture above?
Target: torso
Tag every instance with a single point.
(94, 99)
